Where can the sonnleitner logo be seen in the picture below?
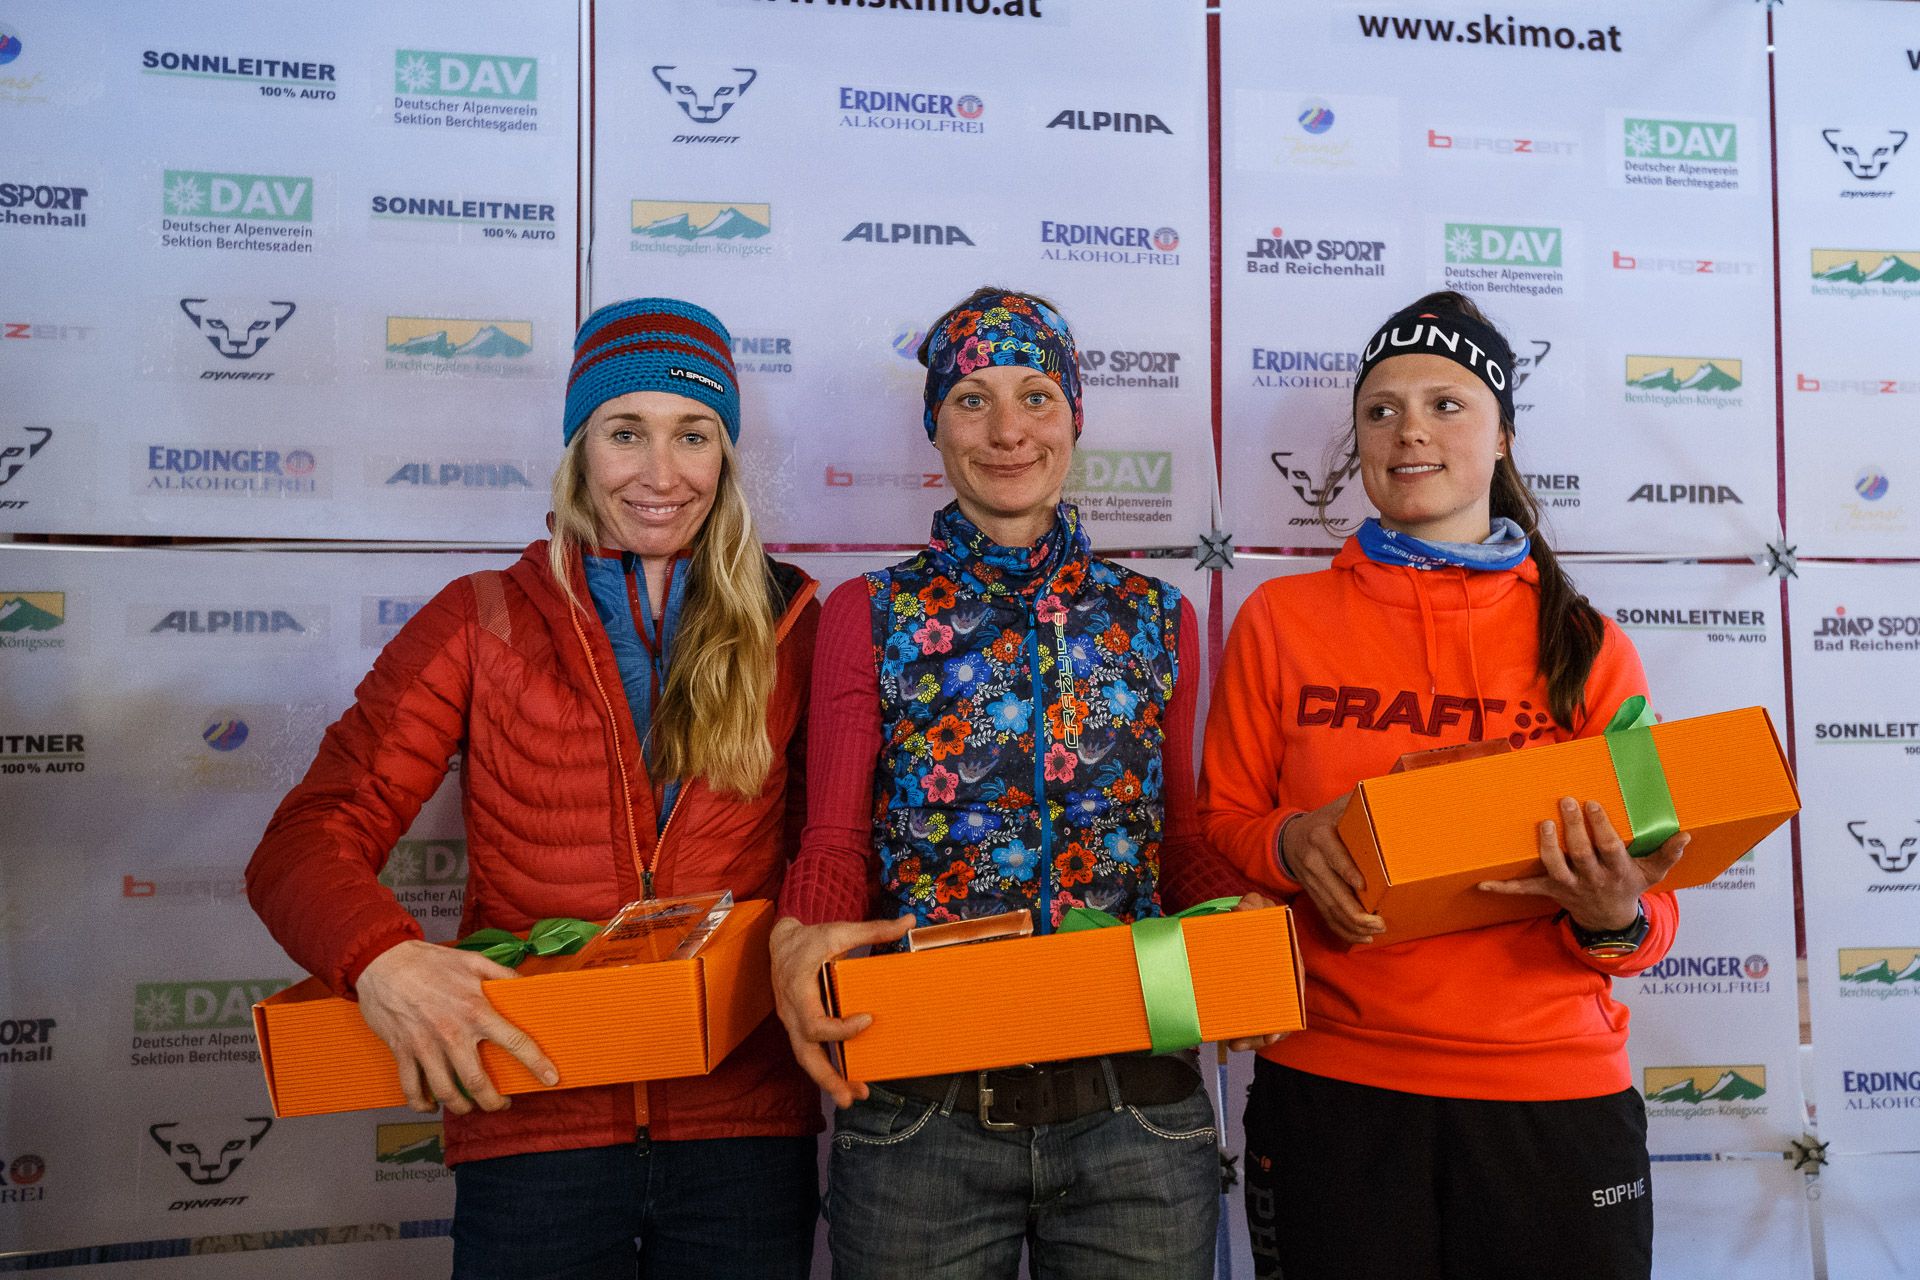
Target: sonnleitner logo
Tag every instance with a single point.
(1088, 242)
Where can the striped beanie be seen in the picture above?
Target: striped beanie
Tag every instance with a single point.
(652, 344)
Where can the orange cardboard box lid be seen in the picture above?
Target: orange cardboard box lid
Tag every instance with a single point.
(1064, 995)
(1424, 838)
(600, 1026)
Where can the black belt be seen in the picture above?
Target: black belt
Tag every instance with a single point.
(1054, 1092)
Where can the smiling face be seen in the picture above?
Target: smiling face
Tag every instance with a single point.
(653, 463)
(1428, 434)
(1005, 435)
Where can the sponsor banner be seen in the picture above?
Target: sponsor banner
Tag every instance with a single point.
(1304, 133)
(526, 220)
(1856, 657)
(236, 75)
(445, 347)
(1652, 153)
(488, 96)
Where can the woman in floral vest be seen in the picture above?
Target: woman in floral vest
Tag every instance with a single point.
(1003, 723)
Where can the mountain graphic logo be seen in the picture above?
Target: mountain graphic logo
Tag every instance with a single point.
(409, 1144)
(700, 220)
(1880, 966)
(1696, 1085)
(1683, 373)
(32, 610)
(448, 339)
(1867, 266)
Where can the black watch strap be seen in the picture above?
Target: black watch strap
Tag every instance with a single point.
(1612, 943)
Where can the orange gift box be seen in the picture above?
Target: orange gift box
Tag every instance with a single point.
(599, 1026)
(1064, 995)
(1424, 838)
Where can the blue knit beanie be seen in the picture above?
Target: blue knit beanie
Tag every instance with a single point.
(652, 344)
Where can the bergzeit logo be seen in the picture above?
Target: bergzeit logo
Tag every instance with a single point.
(1857, 386)
(1684, 381)
(494, 93)
(1536, 148)
(57, 206)
(1120, 486)
(191, 886)
(1866, 273)
(1691, 1093)
(1841, 632)
(684, 227)
(29, 619)
(441, 346)
(1699, 155)
(1667, 265)
(929, 233)
(1865, 153)
(1879, 973)
(1497, 258)
(705, 93)
(1678, 975)
(907, 111)
(44, 337)
(1082, 121)
(286, 79)
(199, 471)
(413, 1152)
(1307, 256)
(236, 212)
(1111, 244)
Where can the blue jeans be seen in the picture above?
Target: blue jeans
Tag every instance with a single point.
(917, 1189)
(723, 1208)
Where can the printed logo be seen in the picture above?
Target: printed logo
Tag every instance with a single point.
(1857, 386)
(27, 616)
(237, 328)
(443, 347)
(490, 92)
(451, 217)
(1306, 256)
(1687, 1093)
(1902, 1086)
(699, 227)
(35, 754)
(907, 232)
(58, 206)
(271, 77)
(1330, 370)
(226, 734)
(39, 335)
(262, 196)
(1871, 484)
(242, 472)
(763, 353)
(195, 886)
(1553, 490)
(19, 1177)
(1135, 370)
(198, 1024)
(14, 457)
(1500, 146)
(911, 112)
(381, 617)
(1109, 121)
(1664, 265)
(1692, 494)
(1350, 134)
(256, 747)
(1301, 481)
(1671, 381)
(224, 622)
(1866, 273)
(429, 880)
(410, 1152)
(493, 474)
(26, 1040)
(1117, 245)
(1879, 973)
(705, 93)
(1706, 976)
(209, 1155)
(1892, 850)
(1495, 258)
(1866, 153)
(9, 44)
(1681, 154)
(1864, 633)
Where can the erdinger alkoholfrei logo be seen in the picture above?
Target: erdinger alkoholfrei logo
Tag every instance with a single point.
(705, 92)
(237, 327)
(698, 220)
(1702, 1086)
(1892, 847)
(208, 1153)
(1865, 152)
(1880, 971)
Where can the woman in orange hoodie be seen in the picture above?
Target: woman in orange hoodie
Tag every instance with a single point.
(1458, 1105)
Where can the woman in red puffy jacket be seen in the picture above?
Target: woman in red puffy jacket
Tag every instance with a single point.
(629, 699)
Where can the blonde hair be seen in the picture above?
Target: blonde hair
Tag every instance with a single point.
(711, 720)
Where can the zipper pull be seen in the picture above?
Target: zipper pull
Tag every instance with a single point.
(646, 883)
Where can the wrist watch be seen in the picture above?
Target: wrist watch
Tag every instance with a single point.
(1610, 944)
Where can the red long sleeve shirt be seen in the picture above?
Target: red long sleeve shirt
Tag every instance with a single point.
(838, 866)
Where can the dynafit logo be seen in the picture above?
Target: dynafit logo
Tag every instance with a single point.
(1488, 243)
(201, 1006)
(238, 327)
(1727, 1091)
(1866, 153)
(1879, 973)
(706, 93)
(1892, 848)
(466, 75)
(265, 197)
(209, 1154)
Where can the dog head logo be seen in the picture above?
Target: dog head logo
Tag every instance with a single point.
(1865, 152)
(706, 94)
(37, 440)
(1890, 851)
(237, 327)
(208, 1152)
(1525, 367)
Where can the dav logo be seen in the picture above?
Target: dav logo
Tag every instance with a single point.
(1706, 381)
(266, 197)
(1879, 973)
(27, 616)
(1685, 1092)
(1682, 139)
(1479, 242)
(219, 1003)
(466, 75)
(1120, 471)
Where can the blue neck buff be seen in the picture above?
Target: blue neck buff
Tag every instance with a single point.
(1504, 548)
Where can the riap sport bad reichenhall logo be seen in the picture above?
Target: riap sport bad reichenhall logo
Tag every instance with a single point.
(1127, 370)
(198, 1024)
(1483, 257)
(922, 233)
(20, 1177)
(1844, 632)
(1696, 155)
(1894, 1090)
(911, 110)
(1692, 1093)
(1706, 976)
(1890, 846)
(465, 474)
(706, 93)
(1115, 245)
(298, 80)
(1121, 486)
(495, 93)
(1298, 255)
(1865, 155)
(46, 750)
(1866, 273)
(1080, 120)
(438, 346)
(516, 220)
(1705, 382)
(32, 620)
(236, 212)
(208, 471)
(42, 204)
(26, 1040)
(697, 227)
(1879, 973)
(414, 1152)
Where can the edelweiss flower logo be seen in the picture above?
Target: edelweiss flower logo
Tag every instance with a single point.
(1461, 246)
(186, 195)
(1640, 140)
(414, 75)
(156, 1010)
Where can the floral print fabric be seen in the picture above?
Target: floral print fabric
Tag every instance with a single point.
(1013, 331)
(972, 640)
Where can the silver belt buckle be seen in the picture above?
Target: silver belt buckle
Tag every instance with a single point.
(983, 1106)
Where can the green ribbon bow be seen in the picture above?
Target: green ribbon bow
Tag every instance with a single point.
(1643, 781)
(556, 936)
(1166, 981)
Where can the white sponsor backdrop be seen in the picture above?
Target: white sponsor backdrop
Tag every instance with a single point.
(1607, 204)
(324, 284)
(1850, 274)
(829, 180)
(1856, 683)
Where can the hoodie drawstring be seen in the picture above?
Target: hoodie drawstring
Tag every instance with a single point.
(1430, 634)
(1427, 627)
(1473, 661)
